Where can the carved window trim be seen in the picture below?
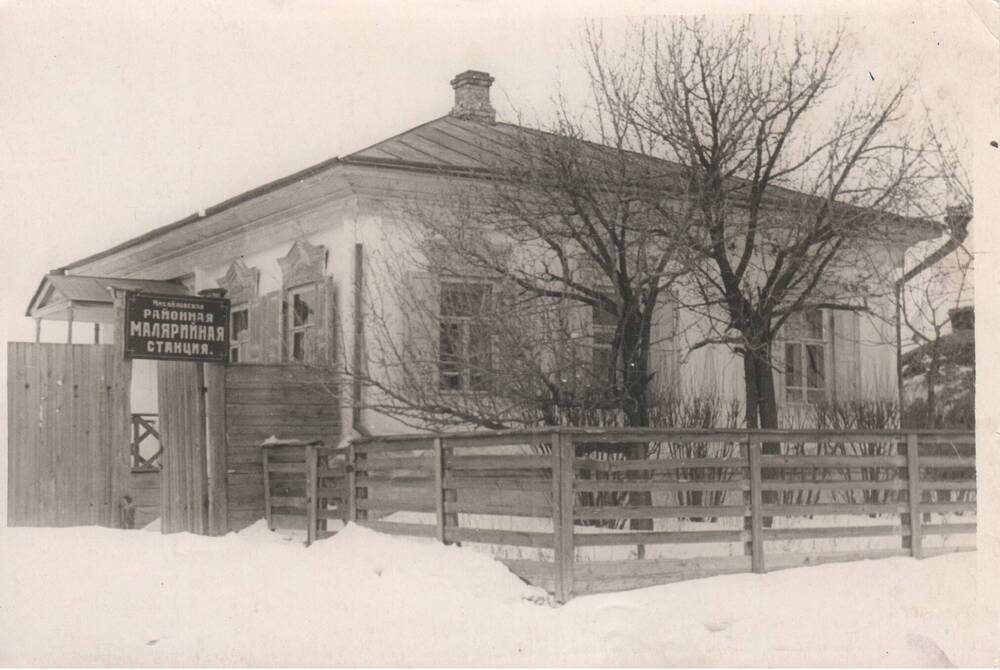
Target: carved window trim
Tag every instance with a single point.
(305, 263)
(241, 282)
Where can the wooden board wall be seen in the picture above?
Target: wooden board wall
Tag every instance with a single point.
(184, 477)
(287, 401)
(63, 465)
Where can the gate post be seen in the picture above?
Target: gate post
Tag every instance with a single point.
(120, 456)
(914, 495)
(562, 515)
(756, 503)
(215, 447)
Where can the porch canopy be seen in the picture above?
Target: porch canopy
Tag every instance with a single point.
(71, 298)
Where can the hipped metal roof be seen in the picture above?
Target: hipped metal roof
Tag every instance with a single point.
(445, 144)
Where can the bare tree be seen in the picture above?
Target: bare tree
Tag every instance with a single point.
(722, 165)
(785, 179)
(939, 282)
(556, 258)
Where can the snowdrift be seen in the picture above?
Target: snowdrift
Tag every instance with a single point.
(94, 596)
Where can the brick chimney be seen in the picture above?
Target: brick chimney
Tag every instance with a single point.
(472, 96)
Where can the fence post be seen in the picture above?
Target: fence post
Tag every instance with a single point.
(312, 503)
(439, 489)
(352, 491)
(756, 506)
(914, 495)
(562, 515)
(265, 457)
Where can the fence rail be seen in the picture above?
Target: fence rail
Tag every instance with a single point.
(543, 499)
(146, 427)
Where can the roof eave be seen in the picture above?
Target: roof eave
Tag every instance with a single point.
(211, 211)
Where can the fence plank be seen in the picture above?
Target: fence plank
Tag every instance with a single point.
(654, 485)
(524, 508)
(947, 486)
(850, 485)
(947, 461)
(662, 567)
(352, 485)
(947, 529)
(834, 508)
(773, 534)
(833, 461)
(394, 528)
(311, 498)
(215, 447)
(670, 537)
(498, 463)
(488, 483)
(784, 561)
(945, 508)
(657, 465)
(513, 538)
(563, 474)
(756, 506)
(439, 489)
(612, 512)
(913, 479)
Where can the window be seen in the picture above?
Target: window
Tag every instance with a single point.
(603, 325)
(301, 321)
(239, 332)
(805, 358)
(465, 344)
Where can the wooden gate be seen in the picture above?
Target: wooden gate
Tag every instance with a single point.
(68, 434)
(291, 402)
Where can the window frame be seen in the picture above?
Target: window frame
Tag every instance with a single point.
(291, 329)
(236, 343)
(799, 338)
(461, 368)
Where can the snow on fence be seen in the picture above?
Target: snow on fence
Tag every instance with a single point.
(584, 510)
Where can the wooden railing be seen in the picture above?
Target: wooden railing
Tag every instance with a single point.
(144, 427)
(559, 506)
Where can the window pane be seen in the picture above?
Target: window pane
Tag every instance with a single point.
(234, 355)
(793, 374)
(814, 324)
(240, 325)
(816, 396)
(603, 317)
(604, 336)
(299, 346)
(465, 299)
(794, 395)
(302, 307)
(814, 371)
(480, 356)
(449, 349)
(602, 365)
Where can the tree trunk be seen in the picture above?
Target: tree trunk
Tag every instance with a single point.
(762, 409)
(635, 385)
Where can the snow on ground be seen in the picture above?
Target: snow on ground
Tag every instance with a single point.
(94, 596)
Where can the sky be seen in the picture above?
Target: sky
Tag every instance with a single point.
(117, 117)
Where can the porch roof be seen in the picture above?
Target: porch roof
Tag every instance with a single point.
(62, 297)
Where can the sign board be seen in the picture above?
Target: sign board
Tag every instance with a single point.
(176, 328)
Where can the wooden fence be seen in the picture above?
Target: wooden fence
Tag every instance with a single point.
(67, 434)
(560, 506)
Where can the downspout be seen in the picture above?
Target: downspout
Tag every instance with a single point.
(356, 349)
